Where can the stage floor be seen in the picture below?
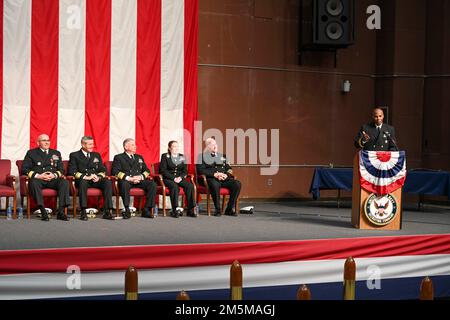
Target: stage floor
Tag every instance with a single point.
(270, 222)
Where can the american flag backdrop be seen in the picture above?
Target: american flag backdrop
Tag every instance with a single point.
(108, 68)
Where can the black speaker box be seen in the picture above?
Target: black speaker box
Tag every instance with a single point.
(327, 23)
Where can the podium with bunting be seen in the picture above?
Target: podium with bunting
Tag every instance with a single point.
(378, 178)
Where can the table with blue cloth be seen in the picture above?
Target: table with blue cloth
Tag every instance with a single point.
(418, 181)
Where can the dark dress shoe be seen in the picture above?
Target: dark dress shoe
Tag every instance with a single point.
(62, 217)
(217, 213)
(83, 215)
(191, 213)
(230, 212)
(126, 216)
(127, 213)
(148, 213)
(175, 213)
(44, 215)
(107, 215)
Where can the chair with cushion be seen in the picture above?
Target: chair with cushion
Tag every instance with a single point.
(91, 193)
(202, 188)
(8, 184)
(137, 193)
(164, 191)
(46, 192)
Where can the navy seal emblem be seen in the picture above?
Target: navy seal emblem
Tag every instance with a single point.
(380, 210)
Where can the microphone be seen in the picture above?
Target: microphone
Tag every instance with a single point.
(388, 134)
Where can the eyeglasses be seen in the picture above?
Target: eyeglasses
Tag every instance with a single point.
(44, 140)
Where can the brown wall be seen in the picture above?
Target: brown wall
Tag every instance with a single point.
(436, 124)
(400, 69)
(250, 77)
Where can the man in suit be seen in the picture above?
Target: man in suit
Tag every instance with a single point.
(45, 169)
(132, 172)
(89, 171)
(376, 136)
(219, 174)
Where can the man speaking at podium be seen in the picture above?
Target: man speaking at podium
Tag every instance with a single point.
(376, 136)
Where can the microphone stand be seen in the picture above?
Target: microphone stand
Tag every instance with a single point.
(392, 140)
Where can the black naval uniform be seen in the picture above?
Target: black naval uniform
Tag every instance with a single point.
(38, 161)
(124, 166)
(81, 165)
(172, 167)
(380, 140)
(217, 162)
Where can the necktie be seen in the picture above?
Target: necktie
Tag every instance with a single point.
(378, 132)
(88, 155)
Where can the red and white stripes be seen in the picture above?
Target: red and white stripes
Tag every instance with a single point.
(108, 68)
(170, 268)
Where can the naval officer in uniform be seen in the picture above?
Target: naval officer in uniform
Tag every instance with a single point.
(219, 174)
(89, 171)
(132, 172)
(376, 136)
(173, 168)
(45, 169)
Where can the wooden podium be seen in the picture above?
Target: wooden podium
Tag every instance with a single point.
(359, 198)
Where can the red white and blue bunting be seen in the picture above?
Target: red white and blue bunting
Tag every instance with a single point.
(382, 172)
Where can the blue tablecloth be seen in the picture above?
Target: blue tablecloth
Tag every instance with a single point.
(417, 181)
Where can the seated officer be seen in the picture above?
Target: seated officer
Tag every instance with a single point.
(219, 174)
(89, 172)
(173, 168)
(45, 169)
(132, 172)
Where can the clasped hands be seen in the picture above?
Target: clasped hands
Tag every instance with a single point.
(177, 179)
(92, 177)
(220, 176)
(46, 176)
(134, 179)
